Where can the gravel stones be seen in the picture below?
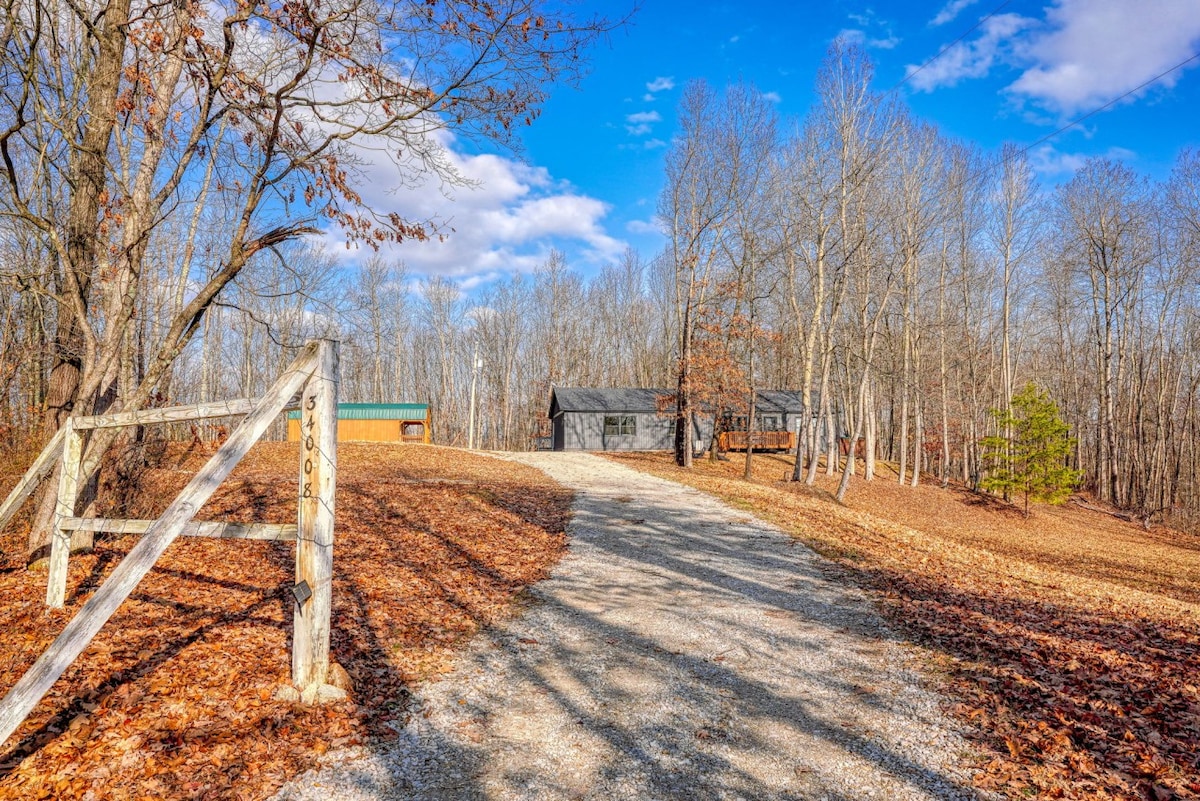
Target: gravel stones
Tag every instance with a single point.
(680, 650)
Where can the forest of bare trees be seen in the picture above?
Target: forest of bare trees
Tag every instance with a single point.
(907, 281)
(158, 162)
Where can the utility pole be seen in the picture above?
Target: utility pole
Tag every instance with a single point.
(476, 363)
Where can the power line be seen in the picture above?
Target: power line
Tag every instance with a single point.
(1073, 122)
(943, 51)
(995, 164)
(1112, 102)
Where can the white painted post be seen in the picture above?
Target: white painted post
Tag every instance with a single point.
(314, 538)
(60, 537)
(475, 365)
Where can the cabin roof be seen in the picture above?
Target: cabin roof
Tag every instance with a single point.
(620, 399)
(606, 399)
(376, 411)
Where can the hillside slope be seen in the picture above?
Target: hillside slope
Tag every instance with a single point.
(1069, 640)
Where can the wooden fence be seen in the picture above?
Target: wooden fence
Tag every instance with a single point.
(314, 374)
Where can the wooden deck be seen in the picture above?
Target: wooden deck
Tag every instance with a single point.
(762, 440)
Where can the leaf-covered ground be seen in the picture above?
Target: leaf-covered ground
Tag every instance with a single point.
(1071, 641)
(175, 697)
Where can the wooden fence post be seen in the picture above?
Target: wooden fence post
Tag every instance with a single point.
(76, 635)
(314, 537)
(60, 538)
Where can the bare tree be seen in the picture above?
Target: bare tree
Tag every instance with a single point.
(695, 208)
(1014, 231)
(1101, 213)
(919, 188)
(281, 101)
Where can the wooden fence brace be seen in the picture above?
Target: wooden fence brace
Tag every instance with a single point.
(63, 542)
(276, 532)
(44, 464)
(314, 543)
(168, 414)
(68, 493)
(41, 467)
(141, 558)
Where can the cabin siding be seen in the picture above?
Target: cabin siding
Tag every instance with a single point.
(584, 431)
(577, 418)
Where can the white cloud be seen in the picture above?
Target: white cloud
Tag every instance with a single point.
(870, 31)
(661, 84)
(860, 37)
(772, 97)
(642, 122)
(1049, 161)
(476, 281)
(1083, 54)
(1092, 51)
(951, 11)
(645, 144)
(506, 221)
(505, 216)
(852, 36)
(643, 227)
(970, 59)
(1053, 163)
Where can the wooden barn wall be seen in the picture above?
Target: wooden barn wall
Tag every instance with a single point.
(356, 430)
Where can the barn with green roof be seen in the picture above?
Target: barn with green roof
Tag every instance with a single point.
(376, 422)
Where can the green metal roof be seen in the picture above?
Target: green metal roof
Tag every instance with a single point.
(376, 411)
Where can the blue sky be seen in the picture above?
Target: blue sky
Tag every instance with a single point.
(590, 171)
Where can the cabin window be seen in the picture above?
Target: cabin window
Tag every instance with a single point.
(768, 423)
(619, 424)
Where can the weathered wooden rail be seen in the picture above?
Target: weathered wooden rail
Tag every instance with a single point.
(763, 440)
(280, 532)
(314, 374)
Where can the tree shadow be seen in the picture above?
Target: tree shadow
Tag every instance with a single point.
(1080, 696)
(575, 652)
(985, 500)
(1071, 696)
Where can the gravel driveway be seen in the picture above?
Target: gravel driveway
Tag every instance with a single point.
(681, 650)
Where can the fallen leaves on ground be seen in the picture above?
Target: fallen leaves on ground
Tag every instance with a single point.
(175, 696)
(1070, 640)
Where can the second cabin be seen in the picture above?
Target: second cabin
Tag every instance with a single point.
(376, 422)
(616, 419)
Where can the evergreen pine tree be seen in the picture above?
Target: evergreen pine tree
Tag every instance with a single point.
(1033, 459)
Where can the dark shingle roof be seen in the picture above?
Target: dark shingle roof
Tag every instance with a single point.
(779, 400)
(593, 399)
(596, 399)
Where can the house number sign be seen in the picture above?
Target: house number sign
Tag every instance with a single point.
(309, 447)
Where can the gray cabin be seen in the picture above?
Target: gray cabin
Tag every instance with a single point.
(591, 419)
(595, 419)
